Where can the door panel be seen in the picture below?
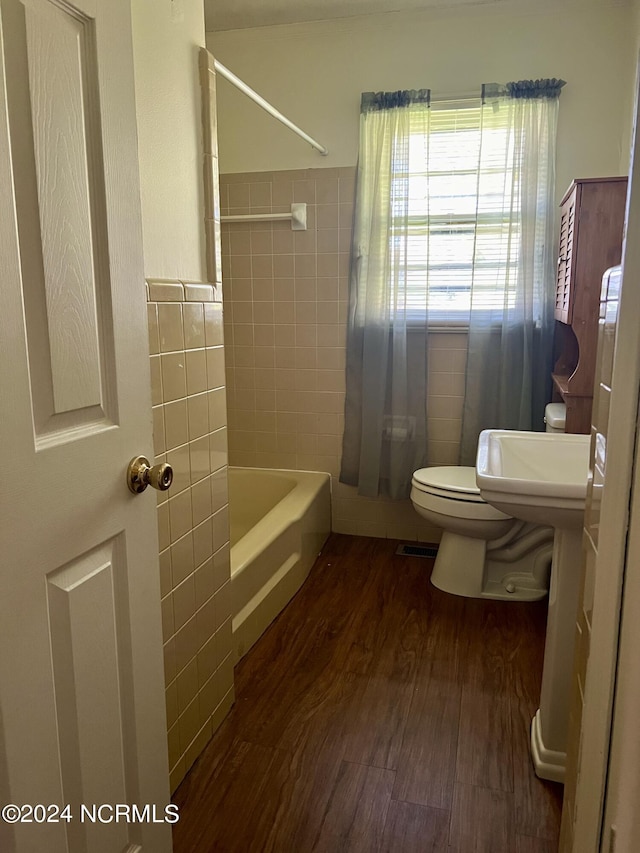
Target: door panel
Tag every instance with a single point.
(81, 682)
(53, 95)
(63, 85)
(85, 604)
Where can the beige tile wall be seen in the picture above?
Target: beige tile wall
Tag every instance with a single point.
(607, 328)
(189, 431)
(285, 297)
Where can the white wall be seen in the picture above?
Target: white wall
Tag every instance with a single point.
(314, 73)
(166, 38)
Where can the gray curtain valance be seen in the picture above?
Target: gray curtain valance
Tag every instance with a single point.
(544, 88)
(372, 101)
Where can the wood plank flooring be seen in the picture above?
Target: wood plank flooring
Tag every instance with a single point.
(378, 714)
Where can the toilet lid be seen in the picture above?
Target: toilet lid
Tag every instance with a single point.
(459, 481)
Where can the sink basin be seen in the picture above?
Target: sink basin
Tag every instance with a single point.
(542, 478)
(536, 476)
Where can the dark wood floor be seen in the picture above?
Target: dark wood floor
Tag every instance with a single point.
(378, 714)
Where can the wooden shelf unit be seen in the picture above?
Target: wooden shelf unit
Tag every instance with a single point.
(591, 229)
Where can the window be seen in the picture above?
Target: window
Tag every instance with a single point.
(450, 188)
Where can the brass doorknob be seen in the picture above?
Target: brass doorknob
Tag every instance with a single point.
(141, 474)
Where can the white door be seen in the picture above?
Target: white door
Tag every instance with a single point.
(81, 686)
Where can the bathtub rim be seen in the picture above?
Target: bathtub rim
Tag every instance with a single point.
(265, 532)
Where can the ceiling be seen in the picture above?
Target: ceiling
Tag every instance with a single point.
(239, 14)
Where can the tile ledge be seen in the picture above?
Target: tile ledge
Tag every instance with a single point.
(172, 290)
(165, 291)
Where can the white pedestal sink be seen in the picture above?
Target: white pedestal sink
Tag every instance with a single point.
(542, 478)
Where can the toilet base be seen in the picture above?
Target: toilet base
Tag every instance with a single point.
(464, 567)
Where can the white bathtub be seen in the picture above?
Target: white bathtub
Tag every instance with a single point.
(279, 521)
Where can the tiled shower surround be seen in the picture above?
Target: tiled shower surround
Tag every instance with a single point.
(285, 297)
(189, 431)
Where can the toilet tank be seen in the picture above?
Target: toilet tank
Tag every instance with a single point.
(555, 416)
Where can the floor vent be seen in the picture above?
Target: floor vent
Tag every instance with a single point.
(430, 551)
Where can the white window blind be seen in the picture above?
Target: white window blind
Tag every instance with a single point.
(454, 190)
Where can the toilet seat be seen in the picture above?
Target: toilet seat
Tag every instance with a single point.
(456, 482)
(452, 491)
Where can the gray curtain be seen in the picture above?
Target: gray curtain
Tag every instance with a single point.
(386, 375)
(508, 374)
(512, 279)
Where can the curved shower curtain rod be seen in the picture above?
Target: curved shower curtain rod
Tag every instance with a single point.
(261, 102)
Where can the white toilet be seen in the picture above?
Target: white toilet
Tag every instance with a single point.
(483, 552)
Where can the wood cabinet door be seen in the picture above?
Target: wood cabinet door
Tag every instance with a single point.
(566, 254)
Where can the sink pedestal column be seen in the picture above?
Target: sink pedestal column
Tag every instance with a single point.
(550, 725)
